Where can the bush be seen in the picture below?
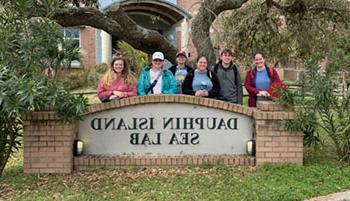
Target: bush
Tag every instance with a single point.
(82, 78)
(101, 68)
(74, 80)
(317, 106)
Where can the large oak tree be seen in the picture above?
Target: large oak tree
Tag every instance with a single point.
(262, 15)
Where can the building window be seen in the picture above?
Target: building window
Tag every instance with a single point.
(73, 34)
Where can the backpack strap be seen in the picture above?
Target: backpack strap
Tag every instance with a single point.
(270, 72)
(215, 68)
(234, 67)
(150, 88)
(235, 71)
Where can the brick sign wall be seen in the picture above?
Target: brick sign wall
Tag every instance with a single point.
(48, 143)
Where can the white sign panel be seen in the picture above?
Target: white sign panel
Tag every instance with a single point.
(165, 129)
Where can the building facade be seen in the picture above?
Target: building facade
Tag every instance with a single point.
(171, 18)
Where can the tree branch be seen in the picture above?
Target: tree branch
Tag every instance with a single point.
(117, 23)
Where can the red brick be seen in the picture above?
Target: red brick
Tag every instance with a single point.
(265, 138)
(39, 144)
(295, 149)
(63, 149)
(64, 138)
(65, 160)
(264, 149)
(299, 144)
(55, 165)
(31, 149)
(272, 154)
(260, 161)
(288, 154)
(280, 149)
(55, 144)
(31, 171)
(38, 165)
(47, 138)
(46, 149)
(31, 138)
(260, 154)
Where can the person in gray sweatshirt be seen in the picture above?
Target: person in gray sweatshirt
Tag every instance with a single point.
(229, 78)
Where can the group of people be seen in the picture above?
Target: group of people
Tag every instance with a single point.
(222, 81)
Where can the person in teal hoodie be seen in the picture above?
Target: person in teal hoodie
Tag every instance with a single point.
(155, 79)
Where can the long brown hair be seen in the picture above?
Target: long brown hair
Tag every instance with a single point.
(110, 75)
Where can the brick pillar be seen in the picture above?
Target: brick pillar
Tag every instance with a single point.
(273, 142)
(47, 143)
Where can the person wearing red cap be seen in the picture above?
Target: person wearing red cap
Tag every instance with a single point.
(180, 70)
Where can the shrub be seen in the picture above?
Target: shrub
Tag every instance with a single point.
(27, 48)
(317, 106)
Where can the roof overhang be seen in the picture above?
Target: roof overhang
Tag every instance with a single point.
(165, 10)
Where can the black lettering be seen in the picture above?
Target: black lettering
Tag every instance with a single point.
(166, 123)
(229, 124)
(134, 138)
(222, 124)
(194, 138)
(145, 139)
(173, 139)
(151, 123)
(109, 123)
(178, 122)
(213, 126)
(96, 124)
(134, 124)
(143, 123)
(158, 138)
(199, 121)
(122, 124)
(188, 123)
(184, 138)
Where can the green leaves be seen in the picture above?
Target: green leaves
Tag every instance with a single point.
(317, 106)
(29, 46)
(286, 30)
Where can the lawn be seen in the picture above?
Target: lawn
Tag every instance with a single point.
(207, 182)
(320, 175)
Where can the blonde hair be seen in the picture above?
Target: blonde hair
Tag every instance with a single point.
(110, 75)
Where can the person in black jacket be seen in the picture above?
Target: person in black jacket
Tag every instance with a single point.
(229, 78)
(201, 81)
(180, 70)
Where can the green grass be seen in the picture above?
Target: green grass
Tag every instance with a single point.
(208, 182)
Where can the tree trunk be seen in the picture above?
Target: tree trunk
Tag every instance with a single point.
(202, 22)
(6, 146)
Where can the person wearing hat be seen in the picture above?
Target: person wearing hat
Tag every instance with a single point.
(155, 79)
(180, 70)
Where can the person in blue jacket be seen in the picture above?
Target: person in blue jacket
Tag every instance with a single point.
(155, 79)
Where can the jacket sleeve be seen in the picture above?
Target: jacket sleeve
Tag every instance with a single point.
(214, 92)
(172, 83)
(102, 91)
(275, 78)
(140, 84)
(248, 84)
(239, 88)
(187, 84)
